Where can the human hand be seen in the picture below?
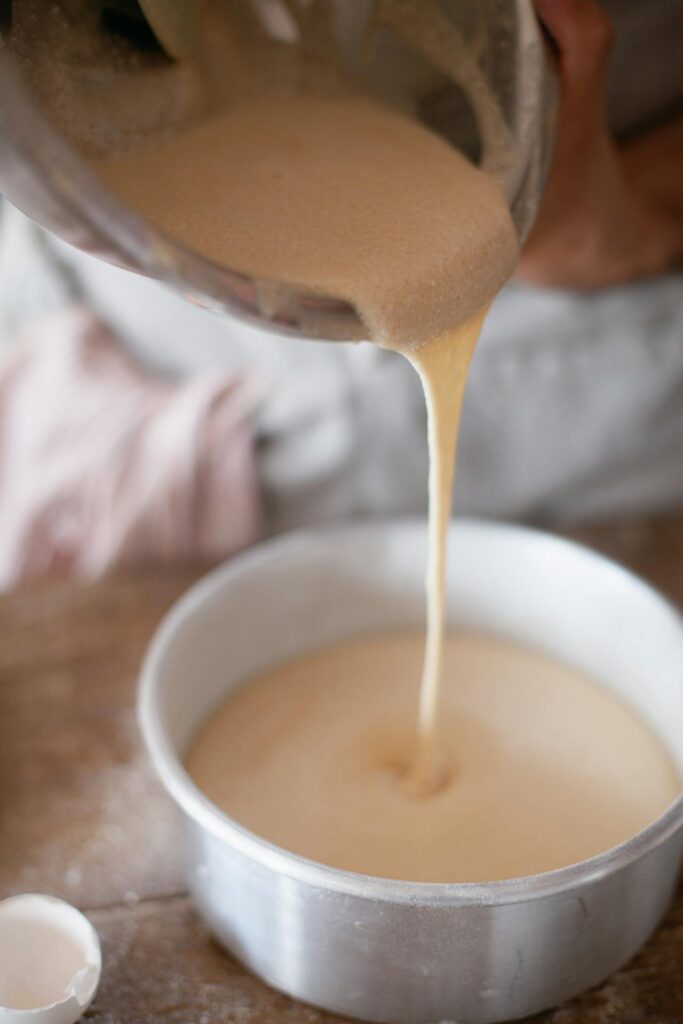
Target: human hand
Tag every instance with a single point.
(608, 215)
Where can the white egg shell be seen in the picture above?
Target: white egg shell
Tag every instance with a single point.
(50, 961)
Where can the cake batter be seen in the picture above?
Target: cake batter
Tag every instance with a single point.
(542, 766)
(350, 199)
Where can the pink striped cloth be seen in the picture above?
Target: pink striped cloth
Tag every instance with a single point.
(104, 465)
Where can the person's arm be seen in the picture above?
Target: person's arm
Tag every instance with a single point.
(609, 214)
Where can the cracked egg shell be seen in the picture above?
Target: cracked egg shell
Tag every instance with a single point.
(50, 961)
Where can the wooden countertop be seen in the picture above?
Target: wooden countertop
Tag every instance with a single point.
(82, 817)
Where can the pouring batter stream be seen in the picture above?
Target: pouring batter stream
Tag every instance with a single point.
(350, 199)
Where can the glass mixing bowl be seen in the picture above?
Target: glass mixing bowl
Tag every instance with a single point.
(48, 178)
